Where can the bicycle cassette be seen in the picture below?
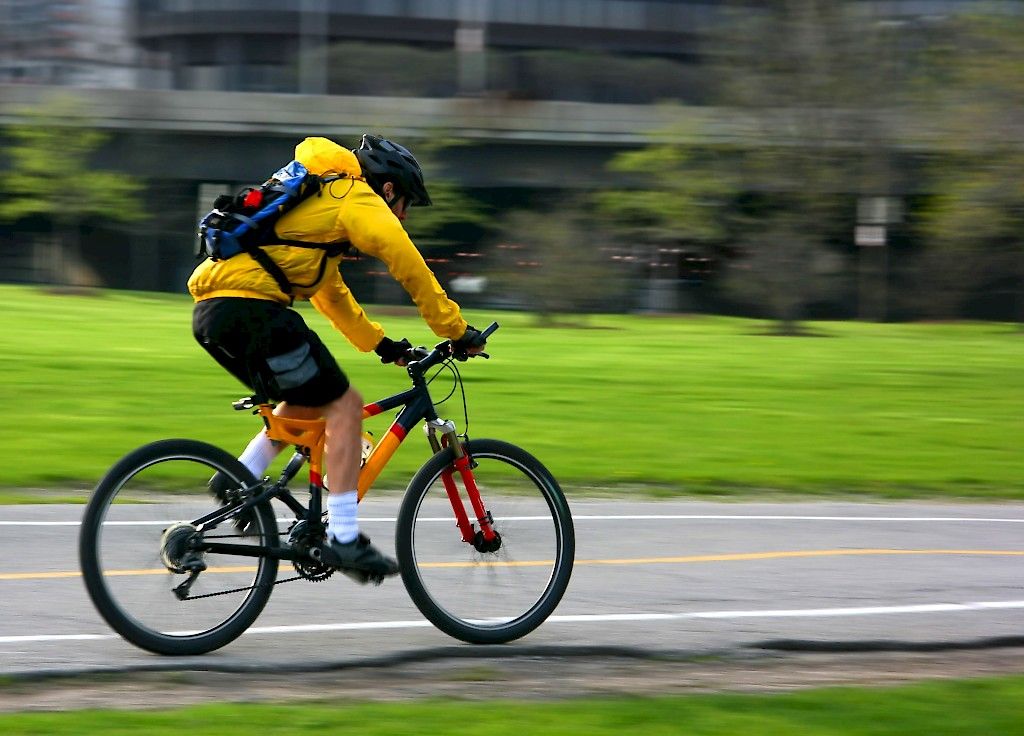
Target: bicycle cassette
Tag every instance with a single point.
(177, 551)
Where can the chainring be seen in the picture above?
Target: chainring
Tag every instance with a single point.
(305, 564)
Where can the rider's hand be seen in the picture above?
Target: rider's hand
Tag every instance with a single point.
(391, 351)
(471, 343)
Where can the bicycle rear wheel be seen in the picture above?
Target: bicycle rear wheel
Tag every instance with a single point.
(487, 597)
(137, 542)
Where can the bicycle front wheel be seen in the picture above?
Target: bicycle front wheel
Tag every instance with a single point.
(138, 544)
(494, 596)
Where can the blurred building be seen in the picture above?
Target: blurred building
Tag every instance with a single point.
(433, 48)
(542, 93)
(627, 51)
(618, 51)
(79, 43)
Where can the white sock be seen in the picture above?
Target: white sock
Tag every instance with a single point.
(259, 453)
(342, 516)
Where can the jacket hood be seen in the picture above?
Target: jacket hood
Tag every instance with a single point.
(323, 157)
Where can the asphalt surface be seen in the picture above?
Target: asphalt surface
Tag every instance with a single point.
(650, 578)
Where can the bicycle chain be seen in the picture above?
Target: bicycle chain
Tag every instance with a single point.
(239, 590)
(254, 587)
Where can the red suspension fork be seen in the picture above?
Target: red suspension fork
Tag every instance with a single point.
(458, 507)
(464, 467)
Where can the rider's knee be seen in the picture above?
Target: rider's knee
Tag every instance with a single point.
(349, 404)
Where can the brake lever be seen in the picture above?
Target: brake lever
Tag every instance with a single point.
(464, 356)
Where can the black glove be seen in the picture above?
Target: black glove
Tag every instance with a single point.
(391, 351)
(472, 338)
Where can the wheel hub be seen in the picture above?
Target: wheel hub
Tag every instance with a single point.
(482, 544)
(178, 548)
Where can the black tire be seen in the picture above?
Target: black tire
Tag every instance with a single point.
(120, 546)
(487, 597)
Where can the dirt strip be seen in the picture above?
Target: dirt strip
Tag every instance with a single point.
(540, 678)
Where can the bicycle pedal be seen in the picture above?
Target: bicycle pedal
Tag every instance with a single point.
(362, 577)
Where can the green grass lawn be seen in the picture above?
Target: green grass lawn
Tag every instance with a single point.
(674, 405)
(956, 708)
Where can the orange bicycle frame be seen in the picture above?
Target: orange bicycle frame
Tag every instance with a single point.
(309, 436)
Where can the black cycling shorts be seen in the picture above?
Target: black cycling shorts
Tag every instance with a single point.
(268, 347)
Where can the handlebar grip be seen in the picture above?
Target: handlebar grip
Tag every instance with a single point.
(489, 330)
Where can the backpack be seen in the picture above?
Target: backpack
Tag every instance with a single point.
(244, 222)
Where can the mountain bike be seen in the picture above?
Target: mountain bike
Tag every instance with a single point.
(484, 536)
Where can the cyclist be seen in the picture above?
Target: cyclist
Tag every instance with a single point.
(243, 317)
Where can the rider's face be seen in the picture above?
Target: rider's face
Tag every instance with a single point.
(400, 208)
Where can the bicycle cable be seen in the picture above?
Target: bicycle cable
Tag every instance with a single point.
(457, 384)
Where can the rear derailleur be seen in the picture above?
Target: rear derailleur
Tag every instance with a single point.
(180, 552)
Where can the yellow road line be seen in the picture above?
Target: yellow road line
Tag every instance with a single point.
(110, 573)
(687, 559)
(741, 556)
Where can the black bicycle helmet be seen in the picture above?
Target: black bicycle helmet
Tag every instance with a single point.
(382, 160)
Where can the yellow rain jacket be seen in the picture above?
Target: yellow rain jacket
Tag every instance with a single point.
(347, 209)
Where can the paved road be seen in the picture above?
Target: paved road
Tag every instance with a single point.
(656, 576)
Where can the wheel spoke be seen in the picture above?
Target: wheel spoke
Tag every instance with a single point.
(138, 545)
(487, 596)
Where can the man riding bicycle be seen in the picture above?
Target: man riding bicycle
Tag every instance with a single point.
(243, 317)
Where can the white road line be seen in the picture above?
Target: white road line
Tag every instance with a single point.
(756, 517)
(55, 637)
(982, 606)
(602, 517)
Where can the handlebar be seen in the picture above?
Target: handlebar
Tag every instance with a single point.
(489, 330)
(421, 360)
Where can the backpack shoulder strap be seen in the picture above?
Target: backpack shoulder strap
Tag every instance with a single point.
(271, 267)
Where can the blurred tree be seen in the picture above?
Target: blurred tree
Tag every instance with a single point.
(681, 198)
(682, 192)
(810, 78)
(804, 81)
(50, 176)
(554, 264)
(975, 217)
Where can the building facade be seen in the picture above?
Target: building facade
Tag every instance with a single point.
(465, 46)
(77, 43)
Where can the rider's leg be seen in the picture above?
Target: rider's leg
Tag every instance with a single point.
(260, 453)
(346, 547)
(344, 417)
(344, 425)
(269, 347)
